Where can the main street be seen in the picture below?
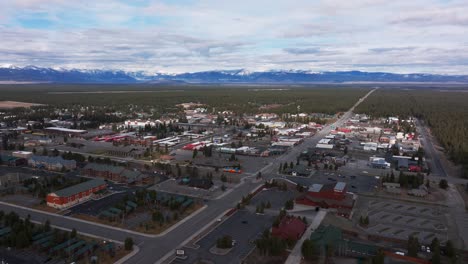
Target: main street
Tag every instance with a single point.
(154, 248)
(436, 168)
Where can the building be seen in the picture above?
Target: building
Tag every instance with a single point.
(114, 173)
(138, 123)
(75, 194)
(329, 196)
(22, 154)
(298, 170)
(290, 227)
(64, 131)
(379, 163)
(329, 191)
(51, 163)
(326, 236)
(197, 183)
(12, 161)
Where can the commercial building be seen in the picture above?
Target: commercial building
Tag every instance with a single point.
(22, 154)
(331, 236)
(75, 194)
(64, 131)
(329, 196)
(51, 163)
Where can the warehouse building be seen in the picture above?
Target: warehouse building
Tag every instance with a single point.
(75, 194)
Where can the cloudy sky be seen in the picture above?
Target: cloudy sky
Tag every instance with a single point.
(426, 36)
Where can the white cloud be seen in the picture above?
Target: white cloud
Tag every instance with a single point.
(397, 36)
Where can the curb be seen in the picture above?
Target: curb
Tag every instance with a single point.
(135, 251)
(107, 226)
(171, 252)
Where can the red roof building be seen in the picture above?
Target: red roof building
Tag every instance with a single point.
(329, 196)
(75, 194)
(290, 227)
(344, 130)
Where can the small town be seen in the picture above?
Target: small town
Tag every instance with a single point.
(268, 188)
(233, 132)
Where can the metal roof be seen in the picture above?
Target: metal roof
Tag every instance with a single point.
(315, 187)
(66, 130)
(340, 186)
(81, 187)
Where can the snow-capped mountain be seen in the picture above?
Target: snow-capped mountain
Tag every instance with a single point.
(59, 75)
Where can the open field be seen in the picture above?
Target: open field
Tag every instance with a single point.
(15, 104)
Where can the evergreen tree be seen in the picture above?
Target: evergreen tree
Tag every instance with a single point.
(128, 244)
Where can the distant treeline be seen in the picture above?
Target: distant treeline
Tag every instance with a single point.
(162, 99)
(445, 111)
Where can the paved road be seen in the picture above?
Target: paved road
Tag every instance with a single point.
(437, 167)
(153, 249)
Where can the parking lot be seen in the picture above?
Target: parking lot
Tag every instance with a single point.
(243, 226)
(249, 164)
(172, 186)
(94, 207)
(276, 198)
(400, 220)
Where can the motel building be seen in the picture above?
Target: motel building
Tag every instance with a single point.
(75, 194)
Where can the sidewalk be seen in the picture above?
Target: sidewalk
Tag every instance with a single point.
(296, 255)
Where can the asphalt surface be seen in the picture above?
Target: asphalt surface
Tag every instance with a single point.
(153, 249)
(244, 227)
(436, 167)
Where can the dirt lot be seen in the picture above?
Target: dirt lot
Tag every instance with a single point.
(14, 104)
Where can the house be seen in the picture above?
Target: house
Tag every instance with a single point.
(289, 228)
(75, 194)
(51, 163)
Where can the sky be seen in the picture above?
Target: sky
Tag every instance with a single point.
(174, 36)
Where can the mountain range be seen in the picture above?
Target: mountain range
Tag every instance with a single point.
(49, 75)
